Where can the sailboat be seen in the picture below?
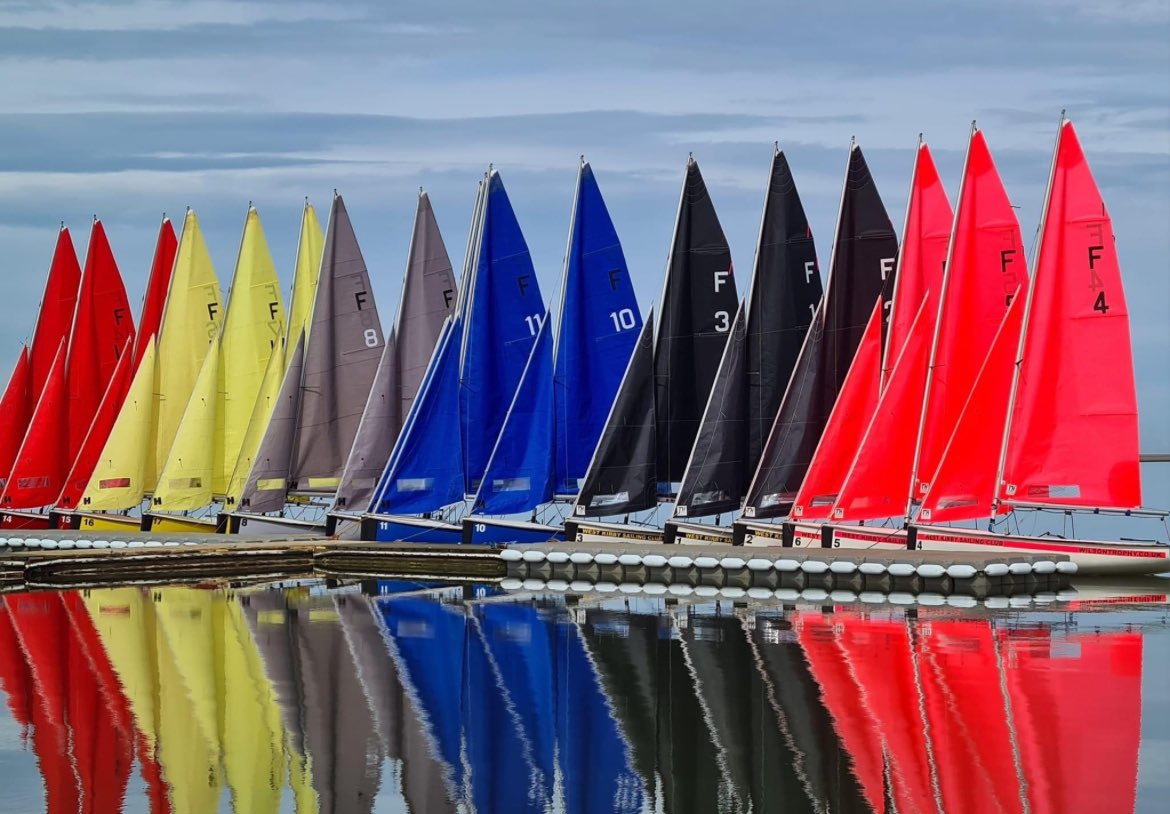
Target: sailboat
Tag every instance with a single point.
(766, 338)
(559, 409)
(476, 367)
(167, 367)
(1018, 426)
(212, 430)
(699, 304)
(302, 453)
(101, 331)
(428, 297)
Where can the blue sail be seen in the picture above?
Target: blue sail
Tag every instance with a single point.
(425, 470)
(599, 324)
(503, 316)
(595, 760)
(429, 643)
(519, 475)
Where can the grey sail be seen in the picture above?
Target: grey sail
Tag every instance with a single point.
(341, 359)
(375, 670)
(267, 483)
(376, 434)
(428, 298)
(267, 617)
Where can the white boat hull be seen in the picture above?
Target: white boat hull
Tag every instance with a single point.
(683, 533)
(254, 525)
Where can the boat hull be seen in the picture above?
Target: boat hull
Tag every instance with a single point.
(179, 524)
(84, 521)
(384, 529)
(343, 527)
(256, 525)
(696, 533)
(494, 531)
(597, 531)
(25, 520)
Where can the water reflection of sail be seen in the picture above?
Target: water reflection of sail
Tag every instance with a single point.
(1077, 707)
(253, 750)
(715, 650)
(187, 704)
(123, 619)
(818, 773)
(595, 760)
(339, 731)
(519, 640)
(267, 619)
(428, 643)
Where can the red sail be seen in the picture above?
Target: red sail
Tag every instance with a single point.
(15, 411)
(1073, 438)
(157, 286)
(923, 255)
(876, 483)
(14, 675)
(964, 484)
(1077, 708)
(847, 422)
(56, 314)
(99, 430)
(986, 265)
(39, 470)
(102, 326)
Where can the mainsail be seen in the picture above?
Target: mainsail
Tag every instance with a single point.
(102, 327)
(865, 251)
(185, 481)
(341, 356)
(598, 326)
(622, 475)
(305, 275)
(266, 401)
(698, 305)
(154, 300)
(1073, 434)
(428, 298)
(784, 292)
(55, 317)
(504, 308)
(985, 265)
(190, 324)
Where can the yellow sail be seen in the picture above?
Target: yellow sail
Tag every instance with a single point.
(253, 328)
(251, 733)
(304, 289)
(185, 479)
(118, 480)
(261, 413)
(190, 323)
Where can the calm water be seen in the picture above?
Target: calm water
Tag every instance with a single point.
(465, 699)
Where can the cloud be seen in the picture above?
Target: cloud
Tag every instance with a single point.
(164, 15)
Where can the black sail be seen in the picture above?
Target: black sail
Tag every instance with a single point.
(621, 477)
(717, 477)
(786, 288)
(698, 306)
(864, 256)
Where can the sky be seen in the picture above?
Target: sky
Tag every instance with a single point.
(131, 109)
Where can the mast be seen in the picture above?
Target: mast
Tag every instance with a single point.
(898, 264)
(942, 299)
(1007, 424)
